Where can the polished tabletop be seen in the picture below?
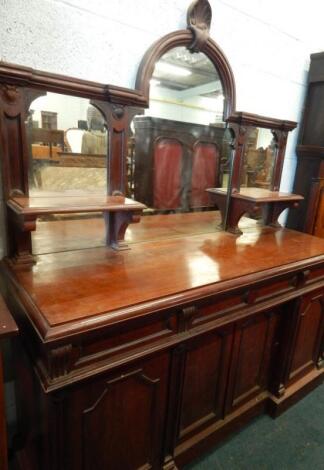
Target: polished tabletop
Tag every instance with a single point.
(81, 285)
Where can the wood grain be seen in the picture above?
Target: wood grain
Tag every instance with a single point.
(80, 285)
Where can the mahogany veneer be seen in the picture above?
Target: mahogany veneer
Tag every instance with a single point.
(253, 201)
(113, 367)
(145, 358)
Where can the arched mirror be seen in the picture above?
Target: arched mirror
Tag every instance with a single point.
(180, 146)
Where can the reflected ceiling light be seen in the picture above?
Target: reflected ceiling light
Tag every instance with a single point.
(154, 82)
(172, 69)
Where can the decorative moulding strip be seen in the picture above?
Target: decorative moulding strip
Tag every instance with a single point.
(249, 119)
(28, 77)
(310, 151)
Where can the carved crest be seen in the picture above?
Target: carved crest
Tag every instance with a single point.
(118, 111)
(10, 93)
(199, 17)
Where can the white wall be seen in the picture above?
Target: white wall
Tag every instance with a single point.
(69, 109)
(267, 43)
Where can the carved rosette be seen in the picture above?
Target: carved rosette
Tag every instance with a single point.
(199, 17)
(11, 99)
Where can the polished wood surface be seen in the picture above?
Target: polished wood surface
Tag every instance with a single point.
(258, 194)
(265, 204)
(68, 204)
(126, 365)
(8, 328)
(66, 234)
(118, 213)
(149, 272)
(168, 347)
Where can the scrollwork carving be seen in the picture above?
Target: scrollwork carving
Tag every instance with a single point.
(199, 17)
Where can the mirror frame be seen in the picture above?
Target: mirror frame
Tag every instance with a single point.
(196, 39)
(19, 86)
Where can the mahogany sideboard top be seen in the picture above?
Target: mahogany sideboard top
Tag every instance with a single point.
(72, 292)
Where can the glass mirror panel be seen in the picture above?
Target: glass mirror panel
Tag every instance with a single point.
(68, 147)
(258, 160)
(180, 146)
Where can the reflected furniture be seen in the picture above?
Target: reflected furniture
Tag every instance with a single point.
(8, 329)
(192, 153)
(146, 358)
(309, 177)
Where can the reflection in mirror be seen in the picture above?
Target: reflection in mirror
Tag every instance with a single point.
(68, 147)
(180, 147)
(258, 160)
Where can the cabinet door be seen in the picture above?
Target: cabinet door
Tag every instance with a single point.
(116, 422)
(205, 372)
(308, 336)
(205, 173)
(254, 350)
(168, 154)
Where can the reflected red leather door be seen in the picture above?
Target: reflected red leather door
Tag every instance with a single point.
(167, 174)
(205, 172)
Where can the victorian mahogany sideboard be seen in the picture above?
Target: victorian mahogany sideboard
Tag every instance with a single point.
(144, 359)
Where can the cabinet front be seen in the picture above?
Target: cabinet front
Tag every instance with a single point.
(205, 373)
(309, 334)
(254, 351)
(117, 422)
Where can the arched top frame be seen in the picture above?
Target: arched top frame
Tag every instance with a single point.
(185, 38)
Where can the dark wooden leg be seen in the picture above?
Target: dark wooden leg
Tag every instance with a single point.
(116, 225)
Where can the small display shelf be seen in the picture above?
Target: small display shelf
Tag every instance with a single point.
(23, 212)
(254, 201)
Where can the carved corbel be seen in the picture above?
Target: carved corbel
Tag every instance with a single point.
(60, 361)
(11, 99)
(186, 317)
(199, 17)
(116, 225)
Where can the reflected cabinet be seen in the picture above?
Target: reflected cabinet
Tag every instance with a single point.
(160, 304)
